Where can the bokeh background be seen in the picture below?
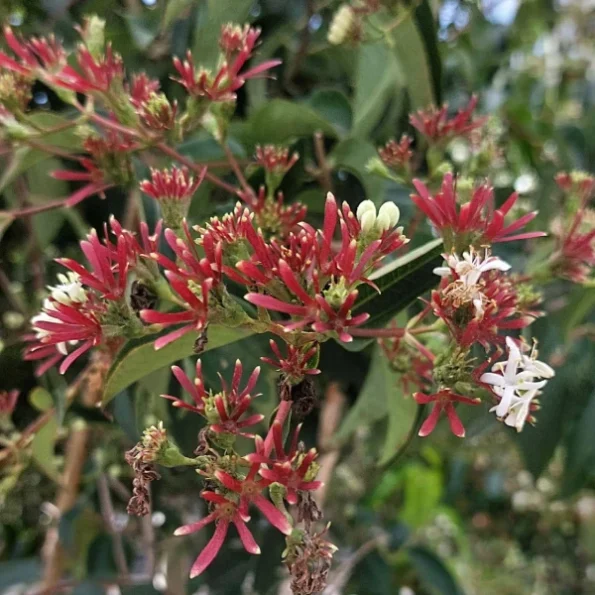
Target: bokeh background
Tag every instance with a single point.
(495, 514)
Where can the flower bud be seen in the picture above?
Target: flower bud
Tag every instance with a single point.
(368, 220)
(388, 216)
(343, 25)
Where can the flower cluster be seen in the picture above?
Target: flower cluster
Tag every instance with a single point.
(237, 483)
(437, 127)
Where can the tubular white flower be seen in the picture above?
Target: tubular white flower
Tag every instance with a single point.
(69, 291)
(517, 382)
(471, 266)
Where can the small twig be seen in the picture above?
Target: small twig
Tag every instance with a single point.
(236, 169)
(342, 574)
(148, 536)
(164, 148)
(107, 511)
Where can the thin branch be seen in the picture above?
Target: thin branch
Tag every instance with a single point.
(324, 169)
(171, 152)
(75, 456)
(107, 511)
(236, 169)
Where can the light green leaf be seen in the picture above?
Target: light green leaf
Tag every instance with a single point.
(41, 399)
(402, 411)
(139, 358)
(377, 78)
(43, 448)
(423, 491)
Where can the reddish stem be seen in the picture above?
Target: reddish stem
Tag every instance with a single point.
(377, 332)
(164, 148)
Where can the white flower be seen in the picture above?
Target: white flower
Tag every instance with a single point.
(69, 291)
(471, 266)
(387, 218)
(517, 382)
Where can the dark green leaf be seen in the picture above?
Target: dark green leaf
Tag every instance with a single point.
(139, 358)
(353, 155)
(580, 455)
(432, 572)
(413, 59)
(427, 27)
(334, 107)
(280, 121)
(400, 283)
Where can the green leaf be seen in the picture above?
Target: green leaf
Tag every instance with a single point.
(353, 155)
(139, 358)
(372, 402)
(412, 56)
(580, 455)
(41, 399)
(581, 303)
(334, 107)
(400, 282)
(402, 412)
(377, 77)
(143, 28)
(281, 121)
(211, 16)
(42, 448)
(24, 157)
(174, 10)
(426, 24)
(423, 491)
(432, 572)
